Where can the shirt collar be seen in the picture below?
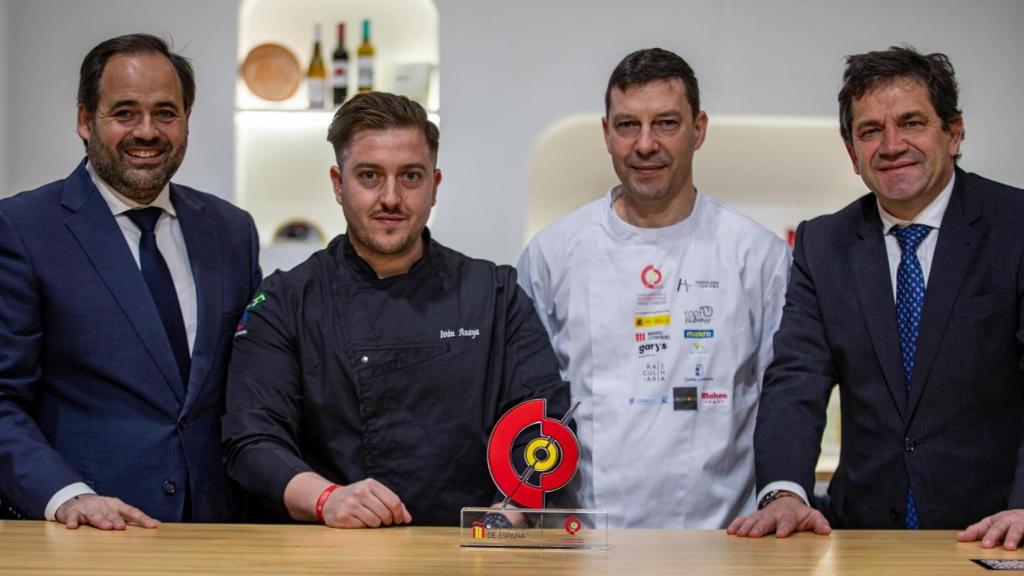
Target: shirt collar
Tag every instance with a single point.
(931, 216)
(348, 252)
(624, 230)
(119, 203)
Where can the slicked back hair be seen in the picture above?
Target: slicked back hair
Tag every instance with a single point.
(96, 61)
(379, 111)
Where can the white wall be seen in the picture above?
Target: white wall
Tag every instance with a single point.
(5, 111)
(47, 40)
(511, 69)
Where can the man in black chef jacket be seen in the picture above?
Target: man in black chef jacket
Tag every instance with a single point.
(365, 382)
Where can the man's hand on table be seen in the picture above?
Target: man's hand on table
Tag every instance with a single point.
(1006, 528)
(102, 512)
(783, 517)
(364, 504)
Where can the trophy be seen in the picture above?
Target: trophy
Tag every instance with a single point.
(550, 458)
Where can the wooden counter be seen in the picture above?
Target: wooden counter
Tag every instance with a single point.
(49, 548)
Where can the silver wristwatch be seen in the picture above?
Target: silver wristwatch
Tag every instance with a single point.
(773, 496)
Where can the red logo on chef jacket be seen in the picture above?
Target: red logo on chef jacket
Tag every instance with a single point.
(651, 277)
(550, 458)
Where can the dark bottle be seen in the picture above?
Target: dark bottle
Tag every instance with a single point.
(339, 72)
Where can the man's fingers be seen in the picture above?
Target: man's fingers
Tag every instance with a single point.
(1013, 536)
(368, 517)
(734, 526)
(750, 527)
(365, 504)
(783, 518)
(994, 534)
(974, 531)
(815, 520)
(137, 517)
(382, 515)
(97, 518)
(785, 525)
(396, 510)
(102, 512)
(821, 525)
(72, 520)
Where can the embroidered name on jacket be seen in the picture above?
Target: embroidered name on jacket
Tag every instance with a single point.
(471, 333)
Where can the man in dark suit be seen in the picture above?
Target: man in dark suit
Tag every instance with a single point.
(119, 293)
(910, 300)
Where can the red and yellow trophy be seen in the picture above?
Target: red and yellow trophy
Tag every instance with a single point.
(549, 455)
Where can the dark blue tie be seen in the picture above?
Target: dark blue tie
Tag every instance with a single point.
(161, 286)
(909, 299)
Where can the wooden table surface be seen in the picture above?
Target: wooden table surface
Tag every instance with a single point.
(49, 548)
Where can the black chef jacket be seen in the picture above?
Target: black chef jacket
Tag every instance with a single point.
(399, 379)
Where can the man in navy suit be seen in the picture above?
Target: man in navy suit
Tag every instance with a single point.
(911, 300)
(119, 292)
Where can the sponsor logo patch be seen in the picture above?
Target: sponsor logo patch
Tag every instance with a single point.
(700, 374)
(684, 398)
(684, 285)
(651, 277)
(714, 398)
(654, 372)
(649, 349)
(701, 315)
(698, 334)
(648, 400)
(652, 320)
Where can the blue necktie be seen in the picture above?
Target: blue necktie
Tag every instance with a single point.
(161, 286)
(909, 299)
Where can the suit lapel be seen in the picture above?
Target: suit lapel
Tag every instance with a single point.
(202, 240)
(953, 255)
(870, 266)
(97, 232)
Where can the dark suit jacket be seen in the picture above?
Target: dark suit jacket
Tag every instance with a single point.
(956, 437)
(89, 389)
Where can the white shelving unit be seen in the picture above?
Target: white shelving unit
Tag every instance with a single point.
(282, 157)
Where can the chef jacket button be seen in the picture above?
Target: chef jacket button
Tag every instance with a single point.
(183, 424)
(170, 488)
(364, 359)
(894, 516)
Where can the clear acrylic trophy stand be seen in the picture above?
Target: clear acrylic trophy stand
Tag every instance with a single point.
(533, 528)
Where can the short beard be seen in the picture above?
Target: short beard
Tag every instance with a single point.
(141, 186)
(395, 247)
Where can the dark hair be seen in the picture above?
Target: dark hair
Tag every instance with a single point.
(868, 71)
(96, 60)
(643, 66)
(379, 111)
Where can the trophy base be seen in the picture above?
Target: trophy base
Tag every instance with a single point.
(533, 528)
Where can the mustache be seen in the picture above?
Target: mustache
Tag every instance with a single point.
(155, 143)
(655, 160)
(389, 212)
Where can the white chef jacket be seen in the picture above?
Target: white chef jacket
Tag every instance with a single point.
(664, 335)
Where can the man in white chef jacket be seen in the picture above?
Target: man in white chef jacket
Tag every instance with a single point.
(661, 304)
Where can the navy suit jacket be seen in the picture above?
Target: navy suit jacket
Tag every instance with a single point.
(956, 436)
(89, 389)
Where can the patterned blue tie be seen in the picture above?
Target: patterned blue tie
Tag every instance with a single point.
(909, 299)
(161, 286)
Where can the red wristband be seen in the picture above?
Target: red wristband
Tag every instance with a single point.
(323, 500)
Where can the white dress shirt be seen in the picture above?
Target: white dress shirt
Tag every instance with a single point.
(171, 243)
(931, 216)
